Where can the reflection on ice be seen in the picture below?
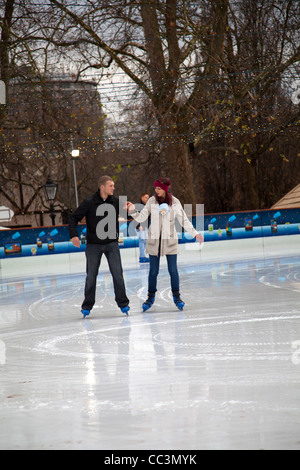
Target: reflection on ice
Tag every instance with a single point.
(2, 352)
(222, 374)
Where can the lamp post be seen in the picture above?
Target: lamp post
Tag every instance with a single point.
(75, 155)
(50, 189)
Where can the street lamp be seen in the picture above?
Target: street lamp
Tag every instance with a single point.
(50, 189)
(75, 154)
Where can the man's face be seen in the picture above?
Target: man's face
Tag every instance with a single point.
(108, 189)
(145, 198)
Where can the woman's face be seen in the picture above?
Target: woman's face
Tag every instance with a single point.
(160, 192)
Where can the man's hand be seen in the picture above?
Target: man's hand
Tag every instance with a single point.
(76, 242)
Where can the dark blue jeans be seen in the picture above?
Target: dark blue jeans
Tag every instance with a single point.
(93, 255)
(154, 270)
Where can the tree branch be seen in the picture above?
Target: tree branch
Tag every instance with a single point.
(105, 47)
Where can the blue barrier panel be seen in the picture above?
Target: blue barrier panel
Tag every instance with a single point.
(224, 226)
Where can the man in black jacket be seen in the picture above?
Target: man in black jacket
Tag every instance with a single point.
(102, 213)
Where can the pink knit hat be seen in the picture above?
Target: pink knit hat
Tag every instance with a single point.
(162, 183)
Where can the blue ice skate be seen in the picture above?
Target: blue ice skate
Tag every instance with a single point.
(125, 310)
(177, 300)
(85, 313)
(149, 302)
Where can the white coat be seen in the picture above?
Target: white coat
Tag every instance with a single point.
(162, 232)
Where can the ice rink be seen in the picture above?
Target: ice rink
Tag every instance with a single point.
(222, 374)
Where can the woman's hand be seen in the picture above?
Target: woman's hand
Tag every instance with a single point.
(200, 238)
(129, 207)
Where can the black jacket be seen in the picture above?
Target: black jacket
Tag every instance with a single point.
(101, 219)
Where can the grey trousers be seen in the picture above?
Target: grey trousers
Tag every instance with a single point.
(93, 255)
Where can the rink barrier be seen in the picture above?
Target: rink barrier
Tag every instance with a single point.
(224, 226)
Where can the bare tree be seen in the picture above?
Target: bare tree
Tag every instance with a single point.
(152, 43)
(184, 56)
(253, 109)
(213, 78)
(45, 116)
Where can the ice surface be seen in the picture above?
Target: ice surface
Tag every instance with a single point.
(222, 374)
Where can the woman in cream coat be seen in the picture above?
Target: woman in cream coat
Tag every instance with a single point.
(163, 208)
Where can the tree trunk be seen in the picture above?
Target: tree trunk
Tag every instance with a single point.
(4, 52)
(178, 166)
(252, 186)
